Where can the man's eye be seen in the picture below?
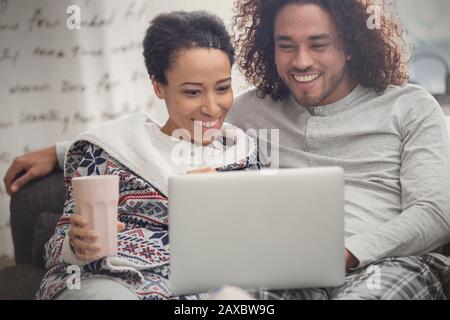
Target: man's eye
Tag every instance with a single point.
(286, 47)
(319, 46)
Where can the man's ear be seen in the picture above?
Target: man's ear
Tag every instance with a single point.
(158, 87)
(348, 57)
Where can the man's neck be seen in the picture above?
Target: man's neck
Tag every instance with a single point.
(345, 87)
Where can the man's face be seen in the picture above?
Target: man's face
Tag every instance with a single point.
(310, 59)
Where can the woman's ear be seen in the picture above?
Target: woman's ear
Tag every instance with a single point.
(158, 87)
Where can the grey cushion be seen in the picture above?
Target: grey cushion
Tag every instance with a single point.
(20, 282)
(44, 229)
(43, 195)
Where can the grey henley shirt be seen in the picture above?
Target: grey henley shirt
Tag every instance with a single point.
(394, 149)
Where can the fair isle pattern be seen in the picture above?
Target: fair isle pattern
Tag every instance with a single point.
(143, 247)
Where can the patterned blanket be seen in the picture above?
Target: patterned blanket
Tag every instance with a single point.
(143, 259)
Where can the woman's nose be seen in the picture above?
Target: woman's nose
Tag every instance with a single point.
(211, 108)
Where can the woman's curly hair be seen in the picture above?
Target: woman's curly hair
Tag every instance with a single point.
(379, 56)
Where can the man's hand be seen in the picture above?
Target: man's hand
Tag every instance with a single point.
(28, 167)
(350, 260)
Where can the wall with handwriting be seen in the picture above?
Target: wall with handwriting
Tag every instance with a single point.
(56, 82)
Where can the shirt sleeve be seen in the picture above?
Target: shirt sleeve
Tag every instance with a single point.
(424, 224)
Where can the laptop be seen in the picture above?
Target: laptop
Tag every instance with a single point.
(267, 229)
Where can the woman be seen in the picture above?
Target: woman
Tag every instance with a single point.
(189, 58)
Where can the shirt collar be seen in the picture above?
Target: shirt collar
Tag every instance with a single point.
(329, 109)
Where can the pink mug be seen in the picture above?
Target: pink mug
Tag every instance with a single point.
(96, 199)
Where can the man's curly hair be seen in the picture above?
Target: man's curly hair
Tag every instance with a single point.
(379, 56)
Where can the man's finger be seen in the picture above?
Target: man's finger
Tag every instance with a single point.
(14, 170)
(23, 180)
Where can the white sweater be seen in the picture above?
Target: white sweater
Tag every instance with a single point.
(137, 142)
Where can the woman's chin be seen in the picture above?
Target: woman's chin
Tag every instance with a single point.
(208, 135)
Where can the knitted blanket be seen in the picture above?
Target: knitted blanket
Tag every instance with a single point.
(143, 260)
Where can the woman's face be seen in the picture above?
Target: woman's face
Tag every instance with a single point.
(198, 93)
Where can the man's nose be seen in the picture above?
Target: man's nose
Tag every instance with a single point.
(303, 59)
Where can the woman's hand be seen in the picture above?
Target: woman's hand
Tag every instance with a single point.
(202, 170)
(83, 240)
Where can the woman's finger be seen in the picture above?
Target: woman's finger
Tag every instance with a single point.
(85, 246)
(85, 257)
(78, 220)
(120, 226)
(202, 170)
(82, 233)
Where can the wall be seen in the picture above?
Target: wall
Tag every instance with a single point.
(428, 26)
(57, 82)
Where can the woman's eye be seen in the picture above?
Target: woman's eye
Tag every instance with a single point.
(224, 88)
(192, 93)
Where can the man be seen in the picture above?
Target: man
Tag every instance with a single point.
(337, 92)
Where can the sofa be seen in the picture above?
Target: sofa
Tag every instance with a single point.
(35, 210)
